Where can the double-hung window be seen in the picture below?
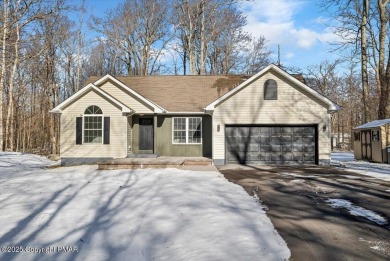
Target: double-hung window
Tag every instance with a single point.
(93, 125)
(187, 130)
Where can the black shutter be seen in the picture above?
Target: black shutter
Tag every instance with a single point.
(106, 138)
(79, 130)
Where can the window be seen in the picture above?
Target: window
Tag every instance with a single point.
(93, 125)
(270, 90)
(357, 136)
(194, 130)
(187, 130)
(375, 135)
(179, 130)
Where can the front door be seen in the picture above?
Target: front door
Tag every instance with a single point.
(146, 135)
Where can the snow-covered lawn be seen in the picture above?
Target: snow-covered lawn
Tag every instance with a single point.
(376, 170)
(150, 214)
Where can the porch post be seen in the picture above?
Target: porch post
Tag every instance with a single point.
(155, 134)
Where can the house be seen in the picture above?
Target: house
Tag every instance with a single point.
(270, 117)
(371, 140)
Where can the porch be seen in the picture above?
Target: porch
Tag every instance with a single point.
(201, 163)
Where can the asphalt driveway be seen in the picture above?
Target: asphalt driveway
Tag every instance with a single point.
(298, 202)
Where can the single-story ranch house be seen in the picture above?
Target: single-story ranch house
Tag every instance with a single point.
(271, 117)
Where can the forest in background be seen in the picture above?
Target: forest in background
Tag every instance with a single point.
(46, 56)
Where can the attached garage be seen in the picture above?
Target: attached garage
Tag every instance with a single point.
(259, 144)
(272, 118)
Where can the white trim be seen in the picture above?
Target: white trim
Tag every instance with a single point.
(332, 106)
(187, 131)
(156, 108)
(184, 113)
(87, 88)
(126, 133)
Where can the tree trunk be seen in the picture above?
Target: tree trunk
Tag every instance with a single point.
(364, 60)
(383, 96)
(3, 70)
(10, 124)
(202, 41)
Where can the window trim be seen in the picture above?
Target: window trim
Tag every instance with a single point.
(375, 133)
(264, 91)
(187, 131)
(83, 134)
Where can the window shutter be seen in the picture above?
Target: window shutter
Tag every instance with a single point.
(79, 130)
(106, 138)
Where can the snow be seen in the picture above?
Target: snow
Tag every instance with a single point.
(379, 245)
(375, 170)
(148, 214)
(357, 211)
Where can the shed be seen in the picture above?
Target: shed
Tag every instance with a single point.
(371, 140)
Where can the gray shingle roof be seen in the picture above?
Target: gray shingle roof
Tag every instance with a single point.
(181, 93)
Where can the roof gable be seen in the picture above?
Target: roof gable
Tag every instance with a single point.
(332, 107)
(83, 91)
(156, 108)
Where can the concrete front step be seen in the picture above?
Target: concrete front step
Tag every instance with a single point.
(142, 156)
(159, 162)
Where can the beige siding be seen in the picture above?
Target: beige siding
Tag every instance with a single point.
(376, 146)
(126, 98)
(385, 132)
(292, 107)
(117, 146)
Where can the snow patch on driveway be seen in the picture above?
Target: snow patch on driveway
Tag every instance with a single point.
(148, 214)
(357, 211)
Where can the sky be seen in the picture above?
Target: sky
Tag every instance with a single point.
(299, 27)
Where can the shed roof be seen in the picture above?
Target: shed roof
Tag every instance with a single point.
(373, 124)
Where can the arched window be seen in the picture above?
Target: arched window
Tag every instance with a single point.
(270, 90)
(93, 125)
(93, 110)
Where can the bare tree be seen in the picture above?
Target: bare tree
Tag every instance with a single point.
(257, 55)
(139, 29)
(324, 78)
(3, 67)
(363, 26)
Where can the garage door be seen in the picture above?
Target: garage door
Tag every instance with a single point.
(271, 144)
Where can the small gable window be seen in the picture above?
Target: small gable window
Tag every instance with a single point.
(270, 90)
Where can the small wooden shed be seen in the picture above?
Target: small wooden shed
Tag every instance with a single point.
(371, 140)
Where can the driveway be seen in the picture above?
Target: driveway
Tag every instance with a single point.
(323, 213)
